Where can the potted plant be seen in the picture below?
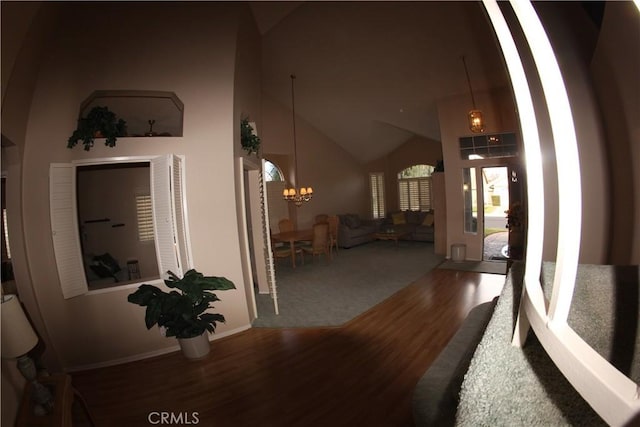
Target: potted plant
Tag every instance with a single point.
(181, 312)
(249, 140)
(99, 123)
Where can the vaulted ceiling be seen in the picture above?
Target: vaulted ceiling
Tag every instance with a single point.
(370, 74)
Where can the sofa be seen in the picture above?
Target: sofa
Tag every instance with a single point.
(417, 224)
(354, 230)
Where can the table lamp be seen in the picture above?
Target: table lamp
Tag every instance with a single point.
(18, 338)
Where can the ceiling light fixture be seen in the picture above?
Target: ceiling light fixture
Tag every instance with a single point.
(476, 121)
(291, 194)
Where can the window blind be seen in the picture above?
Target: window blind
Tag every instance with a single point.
(376, 181)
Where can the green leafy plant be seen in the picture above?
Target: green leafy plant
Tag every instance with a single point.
(249, 140)
(182, 311)
(99, 123)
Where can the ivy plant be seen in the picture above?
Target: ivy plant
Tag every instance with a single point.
(99, 123)
(250, 141)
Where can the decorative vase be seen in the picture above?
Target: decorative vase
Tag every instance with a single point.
(195, 348)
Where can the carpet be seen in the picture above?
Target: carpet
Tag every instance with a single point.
(511, 386)
(491, 267)
(320, 294)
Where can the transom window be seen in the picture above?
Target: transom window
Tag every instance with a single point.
(274, 179)
(414, 188)
(488, 146)
(272, 172)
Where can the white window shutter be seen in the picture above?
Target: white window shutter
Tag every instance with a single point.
(163, 217)
(184, 257)
(64, 228)
(266, 230)
(403, 192)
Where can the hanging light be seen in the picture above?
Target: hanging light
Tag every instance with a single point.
(304, 194)
(476, 121)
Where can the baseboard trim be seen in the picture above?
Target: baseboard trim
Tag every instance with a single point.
(149, 354)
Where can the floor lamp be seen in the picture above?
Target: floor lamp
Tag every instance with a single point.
(18, 338)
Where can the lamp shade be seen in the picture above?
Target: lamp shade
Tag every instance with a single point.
(18, 336)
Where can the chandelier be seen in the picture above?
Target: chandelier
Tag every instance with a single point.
(304, 194)
(476, 122)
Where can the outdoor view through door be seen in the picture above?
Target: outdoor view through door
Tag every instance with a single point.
(495, 188)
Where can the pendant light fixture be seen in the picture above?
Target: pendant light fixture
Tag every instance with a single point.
(304, 194)
(476, 121)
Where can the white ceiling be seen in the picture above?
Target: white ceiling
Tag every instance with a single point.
(370, 74)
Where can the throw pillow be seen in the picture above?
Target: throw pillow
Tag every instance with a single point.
(351, 220)
(398, 218)
(428, 220)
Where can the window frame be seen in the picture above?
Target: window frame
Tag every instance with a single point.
(420, 187)
(171, 238)
(377, 195)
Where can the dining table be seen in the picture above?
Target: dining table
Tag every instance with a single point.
(292, 237)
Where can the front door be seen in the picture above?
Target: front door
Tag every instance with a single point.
(496, 198)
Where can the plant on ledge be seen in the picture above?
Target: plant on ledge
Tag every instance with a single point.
(250, 141)
(182, 312)
(99, 123)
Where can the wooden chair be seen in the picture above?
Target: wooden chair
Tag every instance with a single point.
(333, 221)
(285, 225)
(320, 218)
(320, 243)
(283, 250)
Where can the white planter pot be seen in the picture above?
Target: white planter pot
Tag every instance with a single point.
(196, 347)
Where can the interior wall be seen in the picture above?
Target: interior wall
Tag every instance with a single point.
(499, 115)
(416, 151)
(615, 69)
(25, 29)
(339, 182)
(247, 104)
(571, 34)
(188, 49)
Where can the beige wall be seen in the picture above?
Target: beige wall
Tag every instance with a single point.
(22, 46)
(499, 116)
(615, 69)
(416, 151)
(573, 53)
(338, 181)
(189, 50)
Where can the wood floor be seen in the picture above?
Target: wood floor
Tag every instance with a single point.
(360, 374)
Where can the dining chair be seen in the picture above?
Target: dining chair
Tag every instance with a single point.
(333, 221)
(280, 250)
(320, 243)
(285, 224)
(321, 218)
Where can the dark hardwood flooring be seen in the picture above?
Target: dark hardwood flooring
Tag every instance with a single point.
(360, 374)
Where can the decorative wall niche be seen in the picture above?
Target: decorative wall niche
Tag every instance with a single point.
(147, 112)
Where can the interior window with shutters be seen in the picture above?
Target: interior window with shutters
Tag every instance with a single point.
(104, 213)
(414, 188)
(376, 183)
